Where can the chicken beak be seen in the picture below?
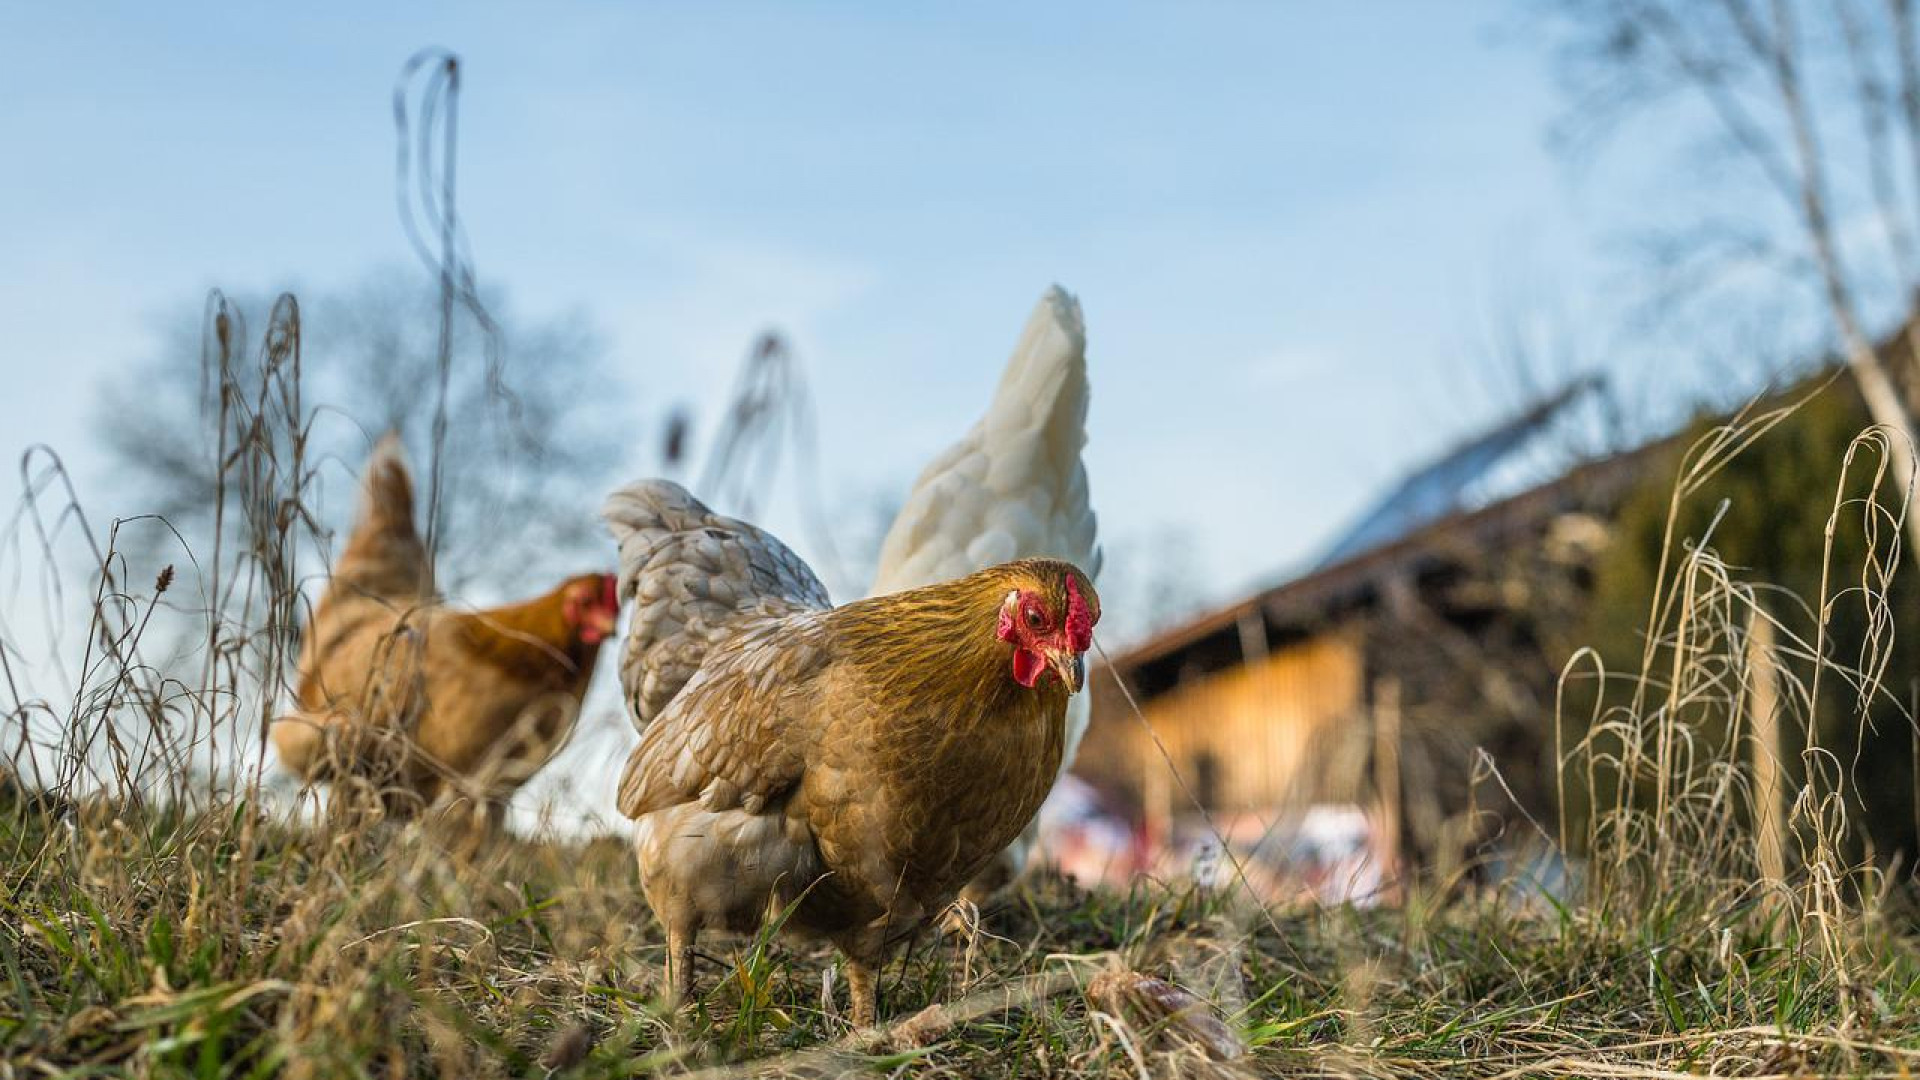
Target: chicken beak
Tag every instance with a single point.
(1072, 669)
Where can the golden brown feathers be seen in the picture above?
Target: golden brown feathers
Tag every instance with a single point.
(421, 699)
(941, 638)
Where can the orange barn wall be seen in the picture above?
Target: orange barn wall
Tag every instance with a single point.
(1283, 731)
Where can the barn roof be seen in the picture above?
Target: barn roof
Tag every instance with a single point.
(1475, 473)
(1421, 522)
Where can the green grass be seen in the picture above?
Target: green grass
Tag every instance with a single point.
(223, 944)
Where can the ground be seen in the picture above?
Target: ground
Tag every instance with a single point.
(222, 943)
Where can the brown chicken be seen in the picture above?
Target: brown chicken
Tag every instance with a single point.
(422, 702)
(859, 763)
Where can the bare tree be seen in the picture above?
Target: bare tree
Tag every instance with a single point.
(1819, 103)
(526, 456)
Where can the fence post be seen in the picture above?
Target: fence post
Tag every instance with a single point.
(1386, 782)
(1763, 732)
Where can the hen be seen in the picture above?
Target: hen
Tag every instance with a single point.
(1013, 487)
(859, 763)
(424, 702)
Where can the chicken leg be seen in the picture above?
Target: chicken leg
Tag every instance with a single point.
(679, 966)
(862, 992)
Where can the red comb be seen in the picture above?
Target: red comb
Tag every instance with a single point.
(1079, 619)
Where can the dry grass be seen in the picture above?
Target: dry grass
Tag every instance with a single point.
(166, 915)
(228, 943)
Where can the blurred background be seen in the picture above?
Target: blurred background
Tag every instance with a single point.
(1399, 317)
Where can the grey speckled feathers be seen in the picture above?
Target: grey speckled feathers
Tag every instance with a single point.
(690, 575)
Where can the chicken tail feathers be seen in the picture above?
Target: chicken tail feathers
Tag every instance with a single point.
(384, 556)
(1047, 373)
(689, 573)
(1013, 487)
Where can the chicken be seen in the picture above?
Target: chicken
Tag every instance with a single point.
(860, 764)
(1014, 487)
(424, 702)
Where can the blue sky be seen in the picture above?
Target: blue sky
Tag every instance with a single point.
(1289, 225)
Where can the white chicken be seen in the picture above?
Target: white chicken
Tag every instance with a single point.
(1013, 487)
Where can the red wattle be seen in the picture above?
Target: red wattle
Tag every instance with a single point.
(1027, 666)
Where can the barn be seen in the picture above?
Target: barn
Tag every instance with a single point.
(1396, 677)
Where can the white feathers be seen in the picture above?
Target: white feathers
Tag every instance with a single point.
(1014, 486)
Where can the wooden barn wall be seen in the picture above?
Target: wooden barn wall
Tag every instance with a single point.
(1276, 732)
